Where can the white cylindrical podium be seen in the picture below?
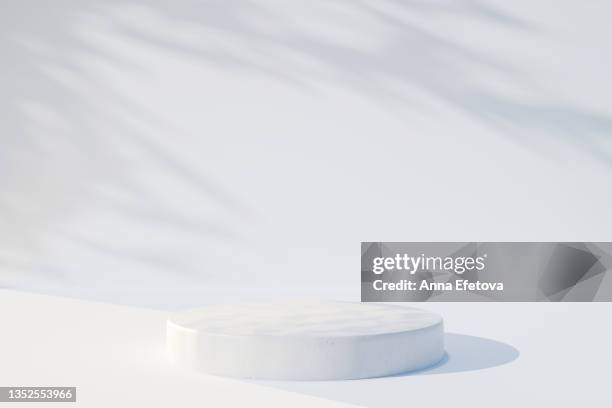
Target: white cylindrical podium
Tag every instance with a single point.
(306, 340)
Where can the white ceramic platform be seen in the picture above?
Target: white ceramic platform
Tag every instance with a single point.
(305, 340)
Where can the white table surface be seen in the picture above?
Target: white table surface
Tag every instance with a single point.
(499, 354)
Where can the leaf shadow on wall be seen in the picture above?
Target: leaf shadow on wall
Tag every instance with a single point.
(64, 152)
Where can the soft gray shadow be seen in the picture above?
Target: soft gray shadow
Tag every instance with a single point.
(463, 353)
(469, 353)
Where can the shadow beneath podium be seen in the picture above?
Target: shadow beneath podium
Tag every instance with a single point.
(463, 353)
(469, 353)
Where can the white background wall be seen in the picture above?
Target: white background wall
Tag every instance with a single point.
(164, 145)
